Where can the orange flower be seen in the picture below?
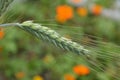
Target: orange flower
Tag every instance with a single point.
(69, 77)
(1, 33)
(64, 13)
(82, 11)
(61, 19)
(37, 77)
(76, 1)
(81, 70)
(96, 9)
(19, 75)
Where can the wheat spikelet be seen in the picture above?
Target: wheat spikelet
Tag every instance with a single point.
(4, 5)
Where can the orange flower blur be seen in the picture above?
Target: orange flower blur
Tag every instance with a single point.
(1, 33)
(69, 77)
(61, 19)
(96, 9)
(82, 11)
(19, 75)
(76, 1)
(64, 13)
(81, 70)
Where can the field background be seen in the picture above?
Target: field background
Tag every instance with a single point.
(24, 57)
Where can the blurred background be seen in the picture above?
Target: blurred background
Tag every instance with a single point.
(24, 57)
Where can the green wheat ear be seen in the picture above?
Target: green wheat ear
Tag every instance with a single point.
(52, 36)
(4, 5)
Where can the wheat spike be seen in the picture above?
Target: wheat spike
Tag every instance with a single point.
(49, 35)
(4, 5)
